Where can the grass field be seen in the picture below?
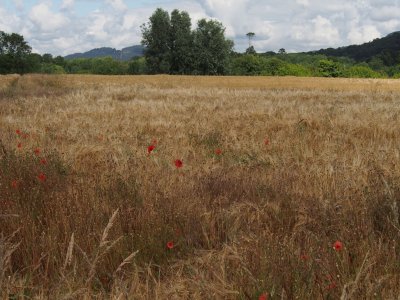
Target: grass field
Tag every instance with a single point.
(289, 188)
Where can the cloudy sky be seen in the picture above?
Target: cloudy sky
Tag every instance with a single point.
(63, 27)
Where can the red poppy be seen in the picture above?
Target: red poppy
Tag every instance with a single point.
(338, 246)
(263, 296)
(178, 163)
(18, 131)
(37, 151)
(304, 257)
(14, 184)
(170, 245)
(266, 142)
(19, 145)
(42, 177)
(43, 161)
(150, 148)
(218, 151)
(331, 286)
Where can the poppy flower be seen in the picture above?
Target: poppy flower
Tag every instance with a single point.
(14, 184)
(170, 245)
(331, 286)
(150, 148)
(19, 145)
(18, 131)
(304, 257)
(42, 177)
(218, 151)
(178, 163)
(43, 161)
(266, 142)
(338, 245)
(263, 296)
(37, 151)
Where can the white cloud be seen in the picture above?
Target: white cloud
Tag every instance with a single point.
(67, 4)
(385, 13)
(363, 34)
(19, 4)
(300, 25)
(46, 20)
(303, 2)
(117, 4)
(318, 32)
(9, 22)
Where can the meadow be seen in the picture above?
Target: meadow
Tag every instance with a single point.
(178, 187)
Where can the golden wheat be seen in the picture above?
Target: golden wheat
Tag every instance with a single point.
(259, 217)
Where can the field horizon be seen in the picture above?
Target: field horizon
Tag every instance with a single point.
(190, 187)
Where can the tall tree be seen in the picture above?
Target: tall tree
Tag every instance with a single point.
(156, 39)
(14, 51)
(250, 35)
(181, 43)
(212, 49)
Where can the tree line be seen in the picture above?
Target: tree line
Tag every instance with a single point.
(171, 46)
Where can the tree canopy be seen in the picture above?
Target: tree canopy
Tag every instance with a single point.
(172, 47)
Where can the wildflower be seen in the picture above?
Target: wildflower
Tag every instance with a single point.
(331, 286)
(263, 296)
(25, 135)
(43, 161)
(42, 177)
(218, 151)
(37, 151)
(304, 257)
(178, 163)
(14, 184)
(19, 145)
(338, 245)
(266, 141)
(150, 148)
(170, 245)
(154, 142)
(18, 131)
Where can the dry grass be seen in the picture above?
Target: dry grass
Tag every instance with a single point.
(256, 219)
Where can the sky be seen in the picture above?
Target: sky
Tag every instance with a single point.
(62, 27)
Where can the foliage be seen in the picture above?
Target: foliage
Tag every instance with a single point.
(14, 51)
(212, 49)
(137, 66)
(181, 43)
(156, 39)
(328, 68)
(360, 71)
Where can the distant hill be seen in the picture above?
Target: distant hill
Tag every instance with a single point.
(124, 54)
(387, 49)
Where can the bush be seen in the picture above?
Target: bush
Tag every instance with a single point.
(361, 72)
(328, 68)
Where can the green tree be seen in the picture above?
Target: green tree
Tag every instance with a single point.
(156, 39)
(248, 65)
(273, 66)
(107, 66)
(14, 51)
(212, 49)
(361, 72)
(251, 50)
(137, 66)
(181, 43)
(328, 68)
(47, 58)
